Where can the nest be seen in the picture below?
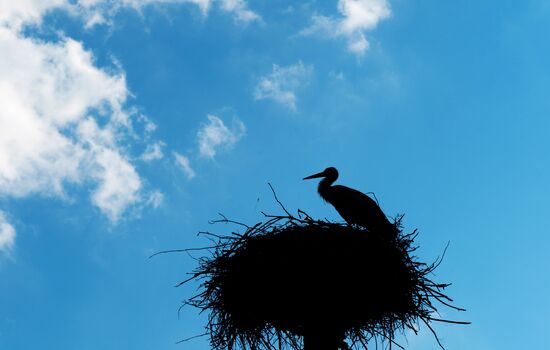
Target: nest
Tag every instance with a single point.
(292, 281)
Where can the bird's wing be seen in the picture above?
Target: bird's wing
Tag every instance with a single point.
(353, 195)
(356, 207)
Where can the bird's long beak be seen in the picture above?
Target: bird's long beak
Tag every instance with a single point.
(321, 174)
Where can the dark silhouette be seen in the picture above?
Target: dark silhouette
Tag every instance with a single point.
(304, 284)
(353, 206)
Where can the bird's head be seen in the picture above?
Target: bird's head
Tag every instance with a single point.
(329, 173)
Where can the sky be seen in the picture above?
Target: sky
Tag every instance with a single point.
(126, 125)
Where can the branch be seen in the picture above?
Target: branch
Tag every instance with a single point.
(278, 201)
(190, 338)
(181, 250)
(374, 195)
(447, 321)
(433, 332)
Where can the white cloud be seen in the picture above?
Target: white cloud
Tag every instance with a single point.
(52, 99)
(357, 17)
(358, 44)
(16, 13)
(362, 14)
(62, 118)
(240, 10)
(321, 25)
(183, 163)
(204, 5)
(153, 152)
(150, 127)
(7, 234)
(216, 135)
(155, 199)
(118, 184)
(281, 84)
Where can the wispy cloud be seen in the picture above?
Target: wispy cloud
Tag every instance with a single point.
(7, 234)
(215, 135)
(356, 18)
(336, 75)
(17, 13)
(153, 152)
(185, 165)
(118, 183)
(281, 84)
(155, 199)
(240, 10)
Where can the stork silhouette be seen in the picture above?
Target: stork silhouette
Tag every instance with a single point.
(353, 206)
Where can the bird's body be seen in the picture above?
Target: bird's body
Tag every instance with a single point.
(355, 207)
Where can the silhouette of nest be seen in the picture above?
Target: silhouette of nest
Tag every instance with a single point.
(268, 287)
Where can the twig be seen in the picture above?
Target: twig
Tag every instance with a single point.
(433, 332)
(278, 201)
(448, 321)
(374, 195)
(191, 338)
(182, 250)
(227, 221)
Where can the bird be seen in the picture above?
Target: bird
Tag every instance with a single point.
(353, 206)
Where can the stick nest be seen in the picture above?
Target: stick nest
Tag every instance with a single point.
(290, 276)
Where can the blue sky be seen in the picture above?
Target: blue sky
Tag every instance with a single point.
(126, 125)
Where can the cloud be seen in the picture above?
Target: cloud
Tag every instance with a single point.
(239, 8)
(63, 120)
(155, 199)
(118, 182)
(153, 152)
(150, 127)
(54, 100)
(7, 234)
(281, 84)
(103, 9)
(183, 163)
(215, 135)
(356, 17)
(17, 13)
(336, 75)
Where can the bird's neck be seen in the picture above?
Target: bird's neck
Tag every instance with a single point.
(324, 186)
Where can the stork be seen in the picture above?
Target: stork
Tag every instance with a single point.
(353, 206)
